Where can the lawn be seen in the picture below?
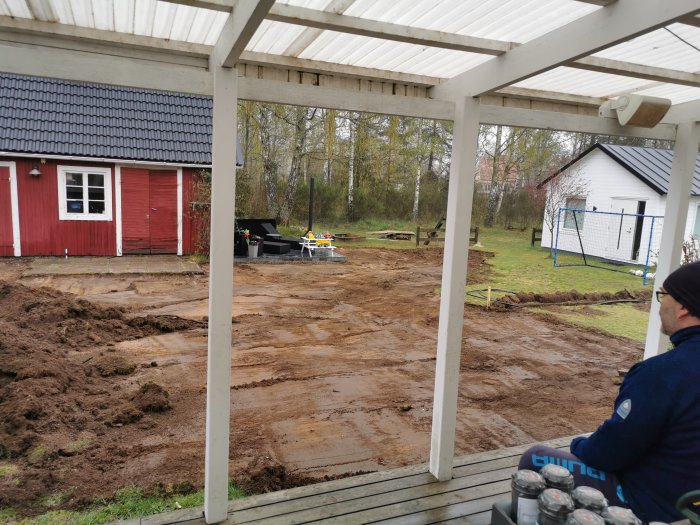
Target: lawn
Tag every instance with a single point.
(519, 267)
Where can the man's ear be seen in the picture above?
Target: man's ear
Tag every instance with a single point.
(682, 312)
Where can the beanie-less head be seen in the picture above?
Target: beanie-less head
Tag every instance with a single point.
(684, 286)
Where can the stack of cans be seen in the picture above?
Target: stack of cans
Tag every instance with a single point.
(549, 497)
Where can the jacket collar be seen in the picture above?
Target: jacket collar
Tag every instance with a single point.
(685, 334)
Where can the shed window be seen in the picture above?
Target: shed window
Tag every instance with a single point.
(84, 194)
(696, 231)
(574, 218)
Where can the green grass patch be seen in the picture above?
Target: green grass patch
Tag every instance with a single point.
(129, 502)
(38, 453)
(80, 444)
(519, 267)
(57, 499)
(8, 469)
(622, 320)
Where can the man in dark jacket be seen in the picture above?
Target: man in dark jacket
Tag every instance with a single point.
(647, 454)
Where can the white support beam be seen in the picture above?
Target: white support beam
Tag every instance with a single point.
(603, 28)
(27, 59)
(223, 213)
(686, 112)
(330, 68)
(627, 69)
(109, 42)
(690, 21)
(224, 6)
(384, 30)
(302, 94)
(309, 35)
(238, 30)
(677, 203)
(597, 2)
(454, 276)
(528, 118)
(318, 96)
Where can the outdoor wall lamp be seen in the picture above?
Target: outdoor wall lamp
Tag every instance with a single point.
(34, 172)
(636, 110)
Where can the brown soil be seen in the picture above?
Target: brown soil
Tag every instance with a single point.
(333, 370)
(574, 296)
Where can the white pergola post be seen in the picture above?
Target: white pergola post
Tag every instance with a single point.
(220, 293)
(454, 276)
(677, 202)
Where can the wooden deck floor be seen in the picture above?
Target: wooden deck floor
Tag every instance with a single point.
(405, 496)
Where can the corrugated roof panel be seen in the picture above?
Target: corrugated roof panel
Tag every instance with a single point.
(165, 18)
(511, 20)
(678, 94)
(580, 82)
(274, 37)
(485, 19)
(18, 8)
(661, 48)
(103, 13)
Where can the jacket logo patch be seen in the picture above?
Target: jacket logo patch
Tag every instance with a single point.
(624, 409)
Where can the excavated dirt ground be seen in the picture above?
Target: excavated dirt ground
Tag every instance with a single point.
(103, 378)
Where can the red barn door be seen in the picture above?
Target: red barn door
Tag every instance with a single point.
(163, 203)
(7, 247)
(149, 211)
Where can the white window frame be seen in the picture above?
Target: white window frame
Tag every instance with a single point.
(63, 214)
(696, 226)
(568, 214)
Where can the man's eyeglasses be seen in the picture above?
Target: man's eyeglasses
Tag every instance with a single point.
(660, 294)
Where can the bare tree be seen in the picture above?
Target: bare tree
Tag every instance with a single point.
(563, 186)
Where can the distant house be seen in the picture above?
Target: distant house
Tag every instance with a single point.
(89, 169)
(622, 183)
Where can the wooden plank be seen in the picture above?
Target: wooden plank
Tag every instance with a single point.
(463, 497)
(363, 491)
(378, 477)
(193, 516)
(323, 499)
(474, 512)
(329, 486)
(395, 497)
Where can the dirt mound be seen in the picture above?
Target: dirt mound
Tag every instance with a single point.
(574, 296)
(271, 478)
(46, 385)
(152, 397)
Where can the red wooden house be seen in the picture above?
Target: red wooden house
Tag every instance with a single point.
(89, 169)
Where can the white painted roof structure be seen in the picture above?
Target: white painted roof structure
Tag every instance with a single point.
(410, 44)
(531, 63)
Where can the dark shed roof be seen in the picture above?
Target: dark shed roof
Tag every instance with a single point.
(59, 117)
(650, 165)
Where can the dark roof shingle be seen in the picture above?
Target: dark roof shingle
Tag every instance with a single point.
(60, 117)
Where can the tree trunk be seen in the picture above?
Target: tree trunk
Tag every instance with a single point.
(329, 142)
(302, 117)
(416, 195)
(495, 191)
(269, 163)
(351, 173)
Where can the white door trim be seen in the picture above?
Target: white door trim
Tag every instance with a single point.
(14, 203)
(118, 207)
(179, 211)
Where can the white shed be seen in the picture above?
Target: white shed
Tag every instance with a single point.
(623, 190)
